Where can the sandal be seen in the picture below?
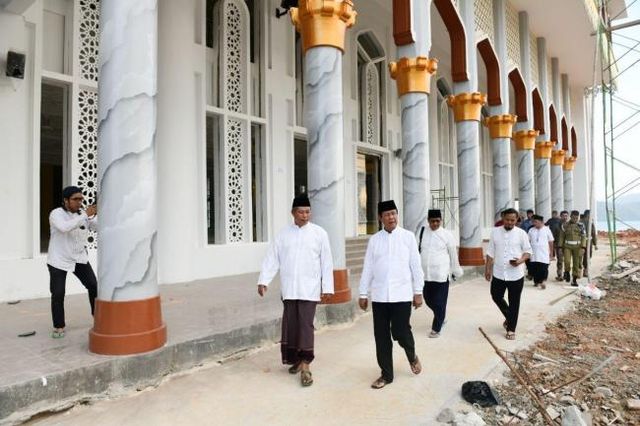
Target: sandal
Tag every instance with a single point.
(57, 334)
(434, 334)
(511, 335)
(295, 368)
(305, 378)
(416, 367)
(379, 383)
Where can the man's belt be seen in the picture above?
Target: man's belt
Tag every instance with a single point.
(572, 243)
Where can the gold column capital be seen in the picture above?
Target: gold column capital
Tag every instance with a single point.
(543, 149)
(525, 139)
(467, 106)
(500, 126)
(557, 157)
(323, 22)
(413, 75)
(569, 164)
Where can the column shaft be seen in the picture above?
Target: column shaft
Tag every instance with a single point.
(543, 187)
(525, 180)
(557, 188)
(323, 118)
(415, 165)
(127, 317)
(501, 175)
(568, 189)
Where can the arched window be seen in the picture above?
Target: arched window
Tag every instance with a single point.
(371, 72)
(447, 193)
(234, 128)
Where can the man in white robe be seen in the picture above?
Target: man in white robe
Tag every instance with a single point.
(302, 254)
(393, 276)
(439, 255)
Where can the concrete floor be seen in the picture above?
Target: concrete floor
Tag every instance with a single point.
(256, 388)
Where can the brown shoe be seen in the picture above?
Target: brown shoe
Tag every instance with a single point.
(416, 367)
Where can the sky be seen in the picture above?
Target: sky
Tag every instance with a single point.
(626, 136)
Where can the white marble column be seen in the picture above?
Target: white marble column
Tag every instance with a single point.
(323, 118)
(127, 267)
(543, 186)
(415, 163)
(557, 187)
(128, 316)
(501, 147)
(568, 189)
(526, 186)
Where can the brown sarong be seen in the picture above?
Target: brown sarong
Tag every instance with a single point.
(296, 344)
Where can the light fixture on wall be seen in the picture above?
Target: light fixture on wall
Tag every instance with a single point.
(15, 65)
(286, 5)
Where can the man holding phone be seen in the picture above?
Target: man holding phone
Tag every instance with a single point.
(508, 250)
(70, 226)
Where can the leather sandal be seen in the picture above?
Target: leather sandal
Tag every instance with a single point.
(379, 383)
(416, 367)
(511, 335)
(294, 369)
(305, 378)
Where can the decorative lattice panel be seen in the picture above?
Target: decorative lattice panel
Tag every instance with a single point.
(89, 38)
(86, 156)
(513, 36)
(234, 77)
(535, 72)
(372, 100)
(236, 134)
(484, 18)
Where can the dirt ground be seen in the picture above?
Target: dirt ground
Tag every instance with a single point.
(601, 335)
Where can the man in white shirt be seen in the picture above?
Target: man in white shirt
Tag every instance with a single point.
(302, 254)
(393, 275)
(67, 252)
(507, 252)
(439, 256)
(541, 240)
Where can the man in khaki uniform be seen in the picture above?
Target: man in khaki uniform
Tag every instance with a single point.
(572, 240)
(594, 242)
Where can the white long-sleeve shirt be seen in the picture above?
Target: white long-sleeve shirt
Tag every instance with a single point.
(303, 257)
(392, 270)
(439, 255)
(504, 246)
(68, 242)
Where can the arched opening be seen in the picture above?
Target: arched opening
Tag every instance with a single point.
(538, 111)
(520, 92)
(490, 59)
(553, 124)
(565, 135)
(574, 143)
(452, 21)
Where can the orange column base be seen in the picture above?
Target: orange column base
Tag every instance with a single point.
(341, 289)
(125, 328)
(471, 256)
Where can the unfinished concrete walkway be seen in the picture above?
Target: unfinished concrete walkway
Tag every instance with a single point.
(256, 389)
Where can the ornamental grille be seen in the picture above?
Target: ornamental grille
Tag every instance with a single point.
(235, 53)
(484, 18)
(535, 72)
(86, 155)
(372, 85)
(513, 37)
(236, 134)
(89, 38)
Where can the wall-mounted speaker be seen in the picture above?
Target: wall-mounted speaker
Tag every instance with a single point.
(15, 65)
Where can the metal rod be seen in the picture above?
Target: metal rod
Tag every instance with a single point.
(541, 408)
(612, 28)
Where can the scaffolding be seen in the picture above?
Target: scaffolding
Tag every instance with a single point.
(607, 71)
(448, 205)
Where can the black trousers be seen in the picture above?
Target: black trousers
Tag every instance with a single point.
(511, 310)
(391, 320)
(539, 271)
(435, 296)
(57, 284)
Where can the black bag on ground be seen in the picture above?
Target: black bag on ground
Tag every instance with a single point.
(480, 393)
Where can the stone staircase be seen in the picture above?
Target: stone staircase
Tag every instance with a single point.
(355, 250)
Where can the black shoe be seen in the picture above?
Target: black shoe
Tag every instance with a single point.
(535, 284)
(567, 277)
(574, 283)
